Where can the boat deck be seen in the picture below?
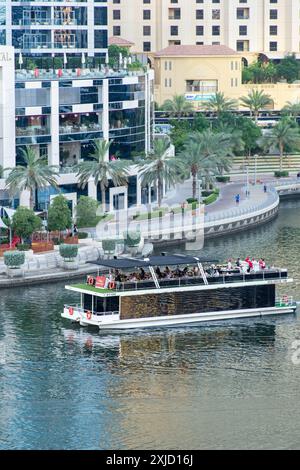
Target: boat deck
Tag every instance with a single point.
(275, 276)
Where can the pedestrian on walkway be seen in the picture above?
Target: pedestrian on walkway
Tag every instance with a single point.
(237, 198)
(265, 188)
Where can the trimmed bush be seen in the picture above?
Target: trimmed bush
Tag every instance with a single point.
(14, 259)
(190, 200)
(68, 251)
(82, 235)
(223, 179)
(23, 247)
(212, 198)
(109, 245)
(281, 174)
(132, 238)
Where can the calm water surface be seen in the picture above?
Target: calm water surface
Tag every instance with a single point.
(230, 385)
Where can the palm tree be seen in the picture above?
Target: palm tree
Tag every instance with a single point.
(178, 105)
(292, 109)
(1, 171)
(101, 169)
(207, 153)
(220, 104)
(35, 174)
(255, 101)
(282, 137)
(158, 167)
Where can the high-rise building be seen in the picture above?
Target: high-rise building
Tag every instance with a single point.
(65, 95)
(43, 29)
(271, 27)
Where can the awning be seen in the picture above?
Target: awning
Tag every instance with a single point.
(167, 260)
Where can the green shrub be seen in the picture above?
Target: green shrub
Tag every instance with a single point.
(132, 238)
(82, 235)
(4, 241)
(109, 245)
(68, 251)
(14, 259)
(223, 179)
(281, 174)
(190, 200)
(212, 198)
(23, 247)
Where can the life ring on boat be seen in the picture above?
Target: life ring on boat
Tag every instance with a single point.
(88, 315)
(112, 285)
(90, 280)
(71, 311)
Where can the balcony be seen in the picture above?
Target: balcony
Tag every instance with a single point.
(72, 129)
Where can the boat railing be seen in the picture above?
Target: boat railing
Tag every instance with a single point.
(285, 301)
(226, 278)
(84, 313)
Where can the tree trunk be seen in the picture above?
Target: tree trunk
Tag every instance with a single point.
(160, 191)
(103, 194)
(194, 185)
(281, 156)
(31, 200)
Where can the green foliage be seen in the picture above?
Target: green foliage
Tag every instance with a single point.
(223, 179)
(14, 259)
(158, 166)
(191, 200)
(220, 104)
(33, 175)
(289, 68)
(59, 214)
(68, 251)
(269, 72)
(1, 171)
(109, 246)
(86, 212)
(23, 247)
(212, 198)
(255, 101)
(182, 129)
(114, 52)
(260, 72)
(178, 106)
(25, 222)
(82, 235)
(281, 174)
(132, 239)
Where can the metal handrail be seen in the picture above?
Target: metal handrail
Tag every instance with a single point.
(85, 312)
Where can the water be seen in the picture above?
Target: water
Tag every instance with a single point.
(221, 386)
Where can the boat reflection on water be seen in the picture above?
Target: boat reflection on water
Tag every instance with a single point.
(145, 346)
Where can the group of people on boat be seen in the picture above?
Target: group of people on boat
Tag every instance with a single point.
(239, 266)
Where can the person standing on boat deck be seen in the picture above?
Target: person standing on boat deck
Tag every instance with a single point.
(158, 272)
(142, 274)
(262, 263)
(250, 264)
(255, 265)
(238, 262)
(229, 265)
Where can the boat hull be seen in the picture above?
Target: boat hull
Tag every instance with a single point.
(115, 323)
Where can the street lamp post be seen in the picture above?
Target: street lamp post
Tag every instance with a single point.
(255, 168)
(247, 180)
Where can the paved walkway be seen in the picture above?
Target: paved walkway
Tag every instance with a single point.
(227, 196)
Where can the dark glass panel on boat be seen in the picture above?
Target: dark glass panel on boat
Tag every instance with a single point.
(178, 303)
(101, 304)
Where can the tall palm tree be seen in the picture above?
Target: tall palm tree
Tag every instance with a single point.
(282, 137)
(158, 167)
(256, 101)
(178, 105)
(101, 169)
(33, 175)
(208, 154)
(292, 109)
(220, 104)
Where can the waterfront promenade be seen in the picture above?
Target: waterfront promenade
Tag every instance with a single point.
(223, 217)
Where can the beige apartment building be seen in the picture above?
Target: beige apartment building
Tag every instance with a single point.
(198, 72)
(247, 26)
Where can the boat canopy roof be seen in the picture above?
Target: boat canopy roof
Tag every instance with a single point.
(167, 260)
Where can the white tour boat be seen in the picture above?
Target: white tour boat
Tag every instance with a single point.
(184, 296)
